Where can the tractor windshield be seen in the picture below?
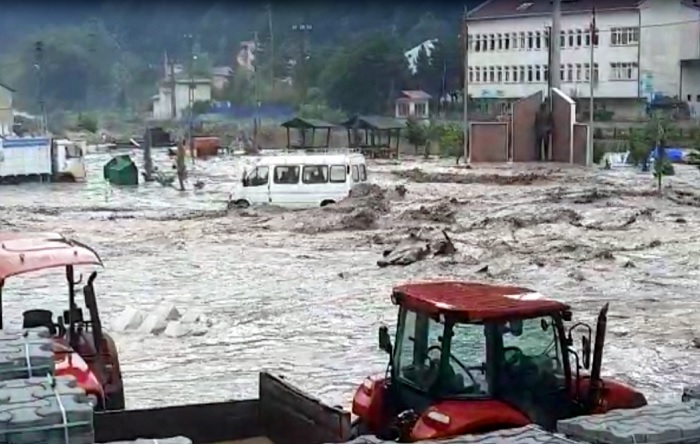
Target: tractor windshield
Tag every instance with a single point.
(445, 360)
(531, 353)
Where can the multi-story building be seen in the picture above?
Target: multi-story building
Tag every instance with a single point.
(641, 50)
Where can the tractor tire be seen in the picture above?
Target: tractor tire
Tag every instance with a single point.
(358, 428)
(115, 401)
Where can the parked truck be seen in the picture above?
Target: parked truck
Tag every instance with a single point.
(41, 159)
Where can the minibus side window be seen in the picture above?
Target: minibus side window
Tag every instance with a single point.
(315, 174)
(355, 174)
(363, 172)
(257, 177)
(338, 174)
(286, 174)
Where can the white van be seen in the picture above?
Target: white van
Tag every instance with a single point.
(298, 180)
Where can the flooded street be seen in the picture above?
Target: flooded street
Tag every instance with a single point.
(300, 294)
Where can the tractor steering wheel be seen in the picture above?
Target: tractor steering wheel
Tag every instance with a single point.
(459, 363)
(516, 357)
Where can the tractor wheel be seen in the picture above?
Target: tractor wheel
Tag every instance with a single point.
(115, 401)
(358, 428)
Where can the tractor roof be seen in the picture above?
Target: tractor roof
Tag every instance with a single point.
(474, 302)
(26, 252)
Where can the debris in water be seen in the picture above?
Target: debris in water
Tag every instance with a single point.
(415, 248)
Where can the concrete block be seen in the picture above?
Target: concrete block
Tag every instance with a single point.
(26, 354)
(523, 435)
(153, 325)
(176, 329)
(167, 312)
(660, 423)
(174, 440)
(32, 411)
(129, 319)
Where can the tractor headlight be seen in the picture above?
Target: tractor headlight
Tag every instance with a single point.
(92, 399)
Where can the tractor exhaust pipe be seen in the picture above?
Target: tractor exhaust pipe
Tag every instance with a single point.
(596, 382)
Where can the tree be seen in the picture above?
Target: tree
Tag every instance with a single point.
(417, 135)
(363, 77)
(422, 76)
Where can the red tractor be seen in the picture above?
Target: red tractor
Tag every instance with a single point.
(81, 348)
(473, 358)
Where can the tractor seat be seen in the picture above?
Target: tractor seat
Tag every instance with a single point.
(39, 318)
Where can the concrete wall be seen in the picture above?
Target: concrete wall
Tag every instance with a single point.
(580, 143)
(6, 116)
(488, 142)
(563, 114)
(524, 131)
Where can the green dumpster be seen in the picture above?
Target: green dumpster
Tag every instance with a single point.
(121, 170)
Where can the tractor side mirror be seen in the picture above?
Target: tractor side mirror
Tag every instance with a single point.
(586, 352)
(385, 339)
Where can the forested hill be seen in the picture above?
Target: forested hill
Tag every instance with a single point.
(135, 35)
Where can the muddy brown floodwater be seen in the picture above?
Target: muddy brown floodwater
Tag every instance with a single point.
(299, 293)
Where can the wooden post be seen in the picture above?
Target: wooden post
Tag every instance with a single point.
(181, 167)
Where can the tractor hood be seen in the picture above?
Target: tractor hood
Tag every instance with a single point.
(69, 362)
(451, 418)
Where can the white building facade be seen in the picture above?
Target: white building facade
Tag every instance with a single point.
(6, 112)
(162, 102)
(640, 49)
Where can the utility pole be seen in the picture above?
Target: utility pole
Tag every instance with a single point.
(256, 83)
(171, 81)
(39, 58)
(591, 99)
(303, 29)
(190, 96)
(465, 92)
(272, 46)
(555, 41)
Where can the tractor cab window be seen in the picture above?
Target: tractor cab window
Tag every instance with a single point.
(447, 361)
(531, 353)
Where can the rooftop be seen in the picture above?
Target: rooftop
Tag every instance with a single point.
(473, 301)
(415, 95)
(495, 9)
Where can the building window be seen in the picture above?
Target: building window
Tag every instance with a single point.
(506, 43)
(569, 72)
(538, 73)
(522, 41)
(421, 110)
(530, 74)
(499, 74)
(579, 38)
(546, 39)
(492, 42)
(623, 71)
(530, 40)
(545, 73)
(538, 40)
(477, 43)
(571, 39)
(403, 110)
(471, 74)
(499, 37)
(515, 41)
(492, 74)
(579, 74)
(506, 74)
(562, 39)
(515, 74)
(595, 73)
(562, 72)
(522, 74)
(587, 72)
(596, 37)
(484, 42)
(477, 74)
(624, 36)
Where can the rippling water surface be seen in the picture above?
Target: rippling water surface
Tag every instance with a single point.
(308, 305)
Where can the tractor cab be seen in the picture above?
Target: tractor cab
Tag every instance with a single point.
(81, 348)
(474, 358)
